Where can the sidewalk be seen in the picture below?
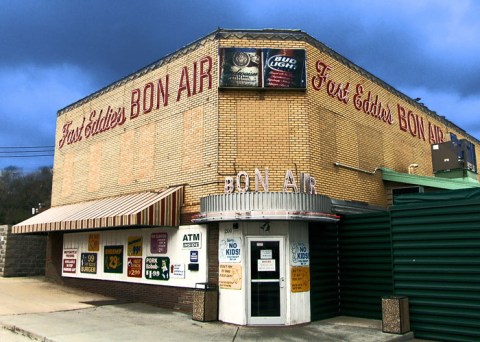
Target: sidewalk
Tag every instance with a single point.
(48, 312)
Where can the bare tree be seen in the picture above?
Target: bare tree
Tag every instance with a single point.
(20, 192)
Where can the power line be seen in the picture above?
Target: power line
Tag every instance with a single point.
(36, 151)
(39, 151)
(28, 156)
(20, 147)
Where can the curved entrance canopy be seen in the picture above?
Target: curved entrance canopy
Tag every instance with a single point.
(266, 206)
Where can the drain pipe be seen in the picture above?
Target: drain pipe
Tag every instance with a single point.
(356, 168)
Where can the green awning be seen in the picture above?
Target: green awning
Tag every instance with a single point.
(433, 182)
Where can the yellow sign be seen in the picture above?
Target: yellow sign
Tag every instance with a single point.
(93, 242)
(230, 276)
(134, 246)
(300, 279)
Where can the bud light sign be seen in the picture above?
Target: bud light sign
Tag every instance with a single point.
(262, 68)
(284, 68)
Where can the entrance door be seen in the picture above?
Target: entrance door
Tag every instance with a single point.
(266, 293)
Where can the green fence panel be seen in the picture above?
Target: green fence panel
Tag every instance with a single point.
(436, 264)
(323, 240)
(365, 264)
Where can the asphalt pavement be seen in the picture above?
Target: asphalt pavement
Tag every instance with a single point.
(34, 309)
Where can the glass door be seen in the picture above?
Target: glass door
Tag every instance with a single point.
(266, 281)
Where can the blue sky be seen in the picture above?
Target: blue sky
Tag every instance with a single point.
(56, 52)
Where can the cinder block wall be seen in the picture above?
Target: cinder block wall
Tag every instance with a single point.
(21, 255)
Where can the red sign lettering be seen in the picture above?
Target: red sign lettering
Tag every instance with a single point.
(143, 100)
(369, 103)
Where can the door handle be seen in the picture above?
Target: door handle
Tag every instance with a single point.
(282, 282)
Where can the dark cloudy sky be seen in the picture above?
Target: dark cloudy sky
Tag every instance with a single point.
(55, 52)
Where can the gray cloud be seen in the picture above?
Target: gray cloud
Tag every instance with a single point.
(57, 52)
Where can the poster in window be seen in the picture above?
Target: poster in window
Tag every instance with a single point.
(113, 259)
(284, 68)
(240, 67)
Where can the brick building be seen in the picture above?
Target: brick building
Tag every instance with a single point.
(216, 163)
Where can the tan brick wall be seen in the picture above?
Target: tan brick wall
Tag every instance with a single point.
(174, 144)
(200, 139)
(310, 131)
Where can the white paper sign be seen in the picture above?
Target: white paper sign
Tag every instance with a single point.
(299, 253)
(266, 265)
(266, 254)
(230, 250)
(177, 271)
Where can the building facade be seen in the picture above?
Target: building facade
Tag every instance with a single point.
(216, 163)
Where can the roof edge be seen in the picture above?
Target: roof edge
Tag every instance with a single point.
(434, 182)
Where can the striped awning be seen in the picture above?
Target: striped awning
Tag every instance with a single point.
(140, 209)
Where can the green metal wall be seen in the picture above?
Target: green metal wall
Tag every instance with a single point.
(323, 271)
(365, 264)
(436, 263)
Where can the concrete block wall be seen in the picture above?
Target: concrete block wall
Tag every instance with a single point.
(21, 255)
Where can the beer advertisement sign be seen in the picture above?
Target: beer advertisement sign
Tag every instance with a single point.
(284, 68)
(240, 67)
(262, 68)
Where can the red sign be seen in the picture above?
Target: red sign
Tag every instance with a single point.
(134, 266)
(69, 266)
(70, 260)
